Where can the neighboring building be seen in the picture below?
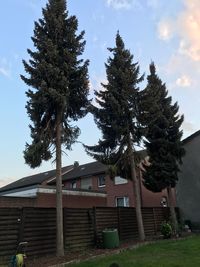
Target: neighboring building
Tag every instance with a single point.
(93, 176)
(188, 186)
(83, 186)
(45, 197)
(35, 191)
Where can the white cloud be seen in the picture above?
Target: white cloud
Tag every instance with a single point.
(186, 26)
(153, 3)
(165, 29)
(4, 72)
(123, 4)
(184, 65)
(189, 28)
(184, 81)
(188, 126)
(5, 67)
(180, 65)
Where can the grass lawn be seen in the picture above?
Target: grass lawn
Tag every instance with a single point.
(168, 253)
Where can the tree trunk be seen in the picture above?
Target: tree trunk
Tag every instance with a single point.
(172, 210)
(136, 194)
(59, 206)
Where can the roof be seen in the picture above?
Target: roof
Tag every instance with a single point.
(89, 169)
(192, 136)
(31, 191)
(69, 172)
(35, 179)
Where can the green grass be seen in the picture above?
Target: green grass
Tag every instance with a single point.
(169, 253)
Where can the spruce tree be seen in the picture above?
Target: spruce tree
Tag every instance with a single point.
(161, 125)
(59, 82)
(116, 117)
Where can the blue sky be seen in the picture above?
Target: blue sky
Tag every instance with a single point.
(166, 32)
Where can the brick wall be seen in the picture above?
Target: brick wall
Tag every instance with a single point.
(46, 200)
(148, 198)
(123, 190)
(69, 201)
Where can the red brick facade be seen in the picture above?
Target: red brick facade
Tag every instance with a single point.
(82, 187)
(148, 198)
(46, 200)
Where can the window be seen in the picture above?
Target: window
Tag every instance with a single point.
(101, 181)
(73, 184)
(120, 180)
(122, 202)
(86, 183)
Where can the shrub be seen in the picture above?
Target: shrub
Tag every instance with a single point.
(166, 230)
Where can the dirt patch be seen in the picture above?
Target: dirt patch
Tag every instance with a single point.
(77, 255)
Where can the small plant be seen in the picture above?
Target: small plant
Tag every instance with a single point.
(166, 230)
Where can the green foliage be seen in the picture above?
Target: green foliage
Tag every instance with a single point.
(116, 117)
(117, 111)
(161, 127)
(166, 230)
(58, 78)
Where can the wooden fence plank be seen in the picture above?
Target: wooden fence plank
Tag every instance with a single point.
(82, 227)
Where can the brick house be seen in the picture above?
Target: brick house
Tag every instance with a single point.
(39, 191)
(93, 176)
(86, 185)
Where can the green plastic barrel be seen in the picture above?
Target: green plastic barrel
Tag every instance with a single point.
(110, 238)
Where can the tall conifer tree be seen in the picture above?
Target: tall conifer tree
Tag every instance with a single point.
(59, 81)
(116, 117)
(161, 123)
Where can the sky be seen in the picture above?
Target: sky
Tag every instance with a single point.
(167, 32)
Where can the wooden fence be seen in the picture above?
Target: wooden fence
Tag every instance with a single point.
(82, 227)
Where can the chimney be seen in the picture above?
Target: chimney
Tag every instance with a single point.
(76, 164)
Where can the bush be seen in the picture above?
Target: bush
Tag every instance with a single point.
(166, 230)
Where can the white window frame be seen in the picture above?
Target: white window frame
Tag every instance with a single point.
(101, 185)
(125, 201)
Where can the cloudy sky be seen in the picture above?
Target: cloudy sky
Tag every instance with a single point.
(167, 32)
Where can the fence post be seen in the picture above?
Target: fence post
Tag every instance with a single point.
(119, 222)
(21, 221)
(155, 221)
(95, 225)
(64, 226)
(166, 213)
